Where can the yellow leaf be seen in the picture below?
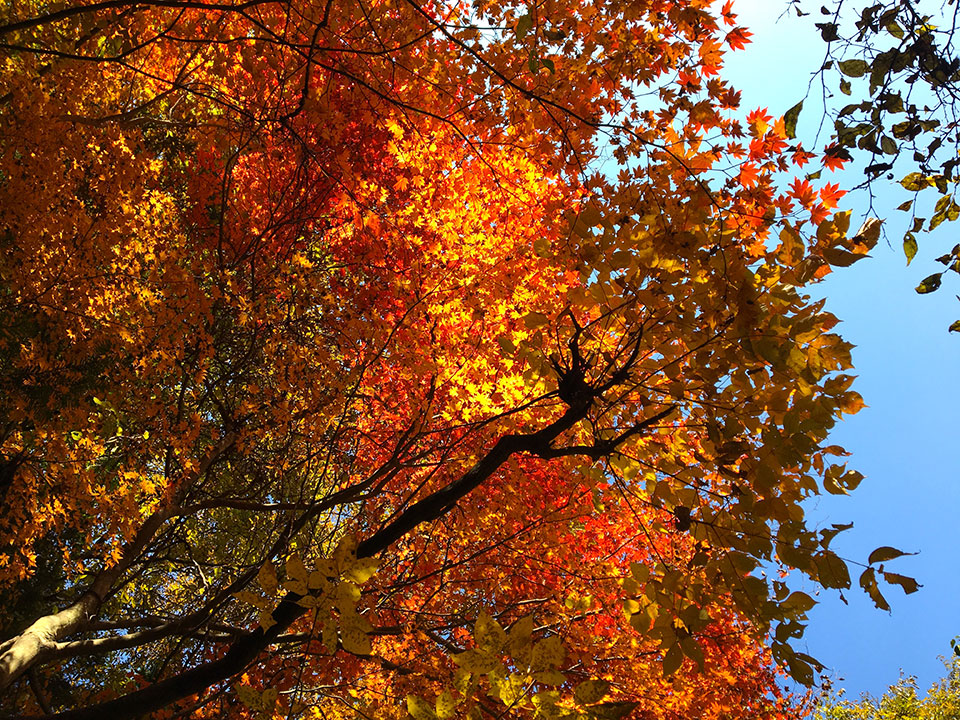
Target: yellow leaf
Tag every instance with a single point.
(420, 709)
(851, 402)
(250, 598)
(353, 637)
(488, 633)
(266, 620)
(547, 654)
(475, 661)
(267, 577)
(446, 706)
(346, 596)
(296, 569)
(362, 570)
(344, 556)
(591, 691)
(328, 636)
(248, 696)
(519, 636)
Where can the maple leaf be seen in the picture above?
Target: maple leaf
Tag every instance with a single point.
(801, 157)
(748, 175)
(818, 212)
(727, 12)
(738, 38)
(803, 191)
(830, 195)
(759, 122)
(835, 156)
(730, 99)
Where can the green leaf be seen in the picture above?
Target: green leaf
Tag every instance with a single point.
(828, 31)
(591, 691)
(894, 29)
(691, 648)
(909, 247)
(884, 553)
(929, 284)
(853, 68)
(672, 660)
(915, 181)
(790, 120)
(800, 671)
(524, 24)
(612, 710)
(799, 602)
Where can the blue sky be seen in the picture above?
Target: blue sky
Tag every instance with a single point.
(907, 440)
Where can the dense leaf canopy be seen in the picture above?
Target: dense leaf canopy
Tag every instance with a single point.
(374, 358)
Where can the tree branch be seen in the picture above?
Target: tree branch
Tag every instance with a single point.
(245, 650)
(40, 639)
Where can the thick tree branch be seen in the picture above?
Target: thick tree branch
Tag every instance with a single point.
(245, 650)
(604, 448)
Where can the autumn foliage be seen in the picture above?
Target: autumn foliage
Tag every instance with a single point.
(385, 358)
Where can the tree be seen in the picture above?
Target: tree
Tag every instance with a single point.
(901, 701)
(339, 371)
(897, 64)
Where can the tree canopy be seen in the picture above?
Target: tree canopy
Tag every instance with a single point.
(890, 80)
(385, 358)
(901, 701)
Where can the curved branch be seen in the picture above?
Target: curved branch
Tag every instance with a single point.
(70, 12)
